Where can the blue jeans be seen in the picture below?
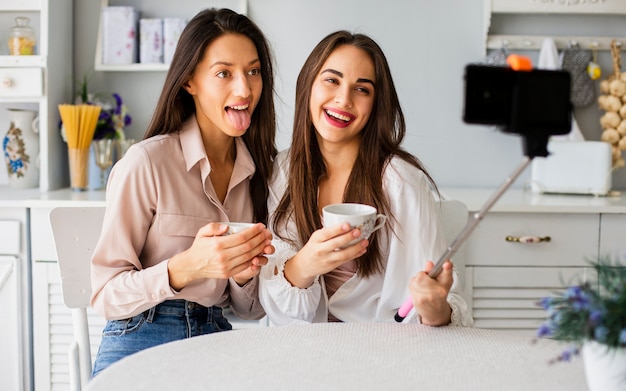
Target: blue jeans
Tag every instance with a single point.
(169, 321)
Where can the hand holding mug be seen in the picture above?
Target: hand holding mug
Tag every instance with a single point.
(215, 254)
(346, 226)
(359, 216)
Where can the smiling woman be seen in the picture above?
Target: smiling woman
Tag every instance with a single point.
(346, 148)
(163, 266)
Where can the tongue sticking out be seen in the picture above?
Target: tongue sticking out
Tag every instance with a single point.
(239, 118)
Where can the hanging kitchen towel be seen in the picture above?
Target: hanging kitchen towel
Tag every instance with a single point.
(575, 61)
(549, 60)
(548, 56)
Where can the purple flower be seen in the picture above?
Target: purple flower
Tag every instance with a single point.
(544, 330)
(567, 354)
(546, 302)
(595, 317)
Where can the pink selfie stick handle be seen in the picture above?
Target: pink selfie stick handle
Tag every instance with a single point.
(406, 307)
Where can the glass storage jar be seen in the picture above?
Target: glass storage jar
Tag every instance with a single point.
(22, 38)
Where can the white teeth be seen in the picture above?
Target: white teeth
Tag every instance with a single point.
(242, 107)
(338, 116)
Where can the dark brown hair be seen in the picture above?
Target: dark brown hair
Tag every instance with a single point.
(175, 104)
(380, 141)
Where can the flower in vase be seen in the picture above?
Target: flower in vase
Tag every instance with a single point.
(113, 119)
(589, 311)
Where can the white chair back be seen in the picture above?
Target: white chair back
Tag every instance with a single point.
(454, 216)
(76, 231)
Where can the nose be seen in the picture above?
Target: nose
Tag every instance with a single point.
(343, 97)
(241, 86)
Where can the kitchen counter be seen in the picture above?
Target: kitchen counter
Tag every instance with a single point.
(32, 198)
(514, 200)
(519, 200)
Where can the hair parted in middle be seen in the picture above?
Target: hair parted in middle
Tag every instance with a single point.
(381, 140)
(176, 105)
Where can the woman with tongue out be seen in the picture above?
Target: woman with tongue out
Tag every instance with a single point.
(346, 140)
(162, 269)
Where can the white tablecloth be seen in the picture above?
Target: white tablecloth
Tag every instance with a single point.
(348, 356)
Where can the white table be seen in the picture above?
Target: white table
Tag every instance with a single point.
(348, 356)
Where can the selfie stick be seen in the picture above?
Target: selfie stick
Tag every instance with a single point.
(536, 137)
(406, 307)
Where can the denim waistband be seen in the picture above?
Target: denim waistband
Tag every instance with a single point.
(183, 308)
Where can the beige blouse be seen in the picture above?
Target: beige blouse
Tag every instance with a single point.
(157, 198)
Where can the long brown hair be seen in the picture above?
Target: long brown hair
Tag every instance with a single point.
(175, 104)
(380, 141)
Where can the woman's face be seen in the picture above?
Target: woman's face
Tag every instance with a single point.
(226, 85)
(342, 95)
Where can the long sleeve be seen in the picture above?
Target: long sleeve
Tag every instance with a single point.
(158, 196)
(414, 236)
(283, 302)
(418, 237)
(122, 287)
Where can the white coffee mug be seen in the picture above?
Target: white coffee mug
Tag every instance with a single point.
(363, 217)
(235, 227)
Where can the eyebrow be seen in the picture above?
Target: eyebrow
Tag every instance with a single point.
(340, 74)
(230, 63)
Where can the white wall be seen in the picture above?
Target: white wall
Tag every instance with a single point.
(428, 43)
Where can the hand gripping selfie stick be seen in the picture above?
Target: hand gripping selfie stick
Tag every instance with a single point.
(489, 90)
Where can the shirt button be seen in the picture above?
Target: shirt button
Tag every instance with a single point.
(154, 296)
(162, 293)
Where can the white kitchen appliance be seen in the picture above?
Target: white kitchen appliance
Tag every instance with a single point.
(573, 167)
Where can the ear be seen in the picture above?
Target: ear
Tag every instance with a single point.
(189, 88)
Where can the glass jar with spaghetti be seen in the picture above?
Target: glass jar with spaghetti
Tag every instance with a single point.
(22, 38)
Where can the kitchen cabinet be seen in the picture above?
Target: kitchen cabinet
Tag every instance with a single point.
(505, 277)
(146, 10)
(613, 235)
(42, 81)
(15, 369)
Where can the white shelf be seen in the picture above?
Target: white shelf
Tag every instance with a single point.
(609, 7)
(534, 42)
(20, 5)
(240, 6)
(560, 7)
(131, 67)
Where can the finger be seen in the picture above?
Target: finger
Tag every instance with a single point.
(212, 229)
(240, 268)
(258, 233)
(342, 241)
(269, 249)
(259, 261)
(247, 251)
(428, 266)
(341, 255)
(446, 276)
(327, 233)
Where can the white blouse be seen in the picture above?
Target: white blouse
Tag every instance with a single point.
(415, 237)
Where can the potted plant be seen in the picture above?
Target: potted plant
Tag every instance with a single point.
(591, 318)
